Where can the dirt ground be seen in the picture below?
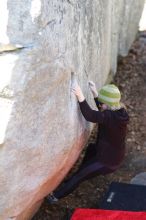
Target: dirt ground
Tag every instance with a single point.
(131, 79)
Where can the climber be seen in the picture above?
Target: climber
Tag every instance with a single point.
(106, 154)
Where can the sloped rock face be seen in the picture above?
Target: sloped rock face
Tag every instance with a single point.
(42, 131)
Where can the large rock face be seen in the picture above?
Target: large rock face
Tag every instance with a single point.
(42, 131)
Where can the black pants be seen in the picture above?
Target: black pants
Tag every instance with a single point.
(89, 168)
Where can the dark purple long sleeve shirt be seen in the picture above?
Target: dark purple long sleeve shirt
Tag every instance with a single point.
(110, 143)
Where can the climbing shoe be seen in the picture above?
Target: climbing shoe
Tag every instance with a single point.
(51, 199)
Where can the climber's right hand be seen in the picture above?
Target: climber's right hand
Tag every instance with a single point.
(93, 88)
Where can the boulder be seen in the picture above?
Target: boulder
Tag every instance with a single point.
(42, 131)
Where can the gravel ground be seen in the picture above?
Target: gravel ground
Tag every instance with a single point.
(131, 79)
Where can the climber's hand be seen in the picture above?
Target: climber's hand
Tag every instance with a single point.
(93, 88)
(78, 92)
